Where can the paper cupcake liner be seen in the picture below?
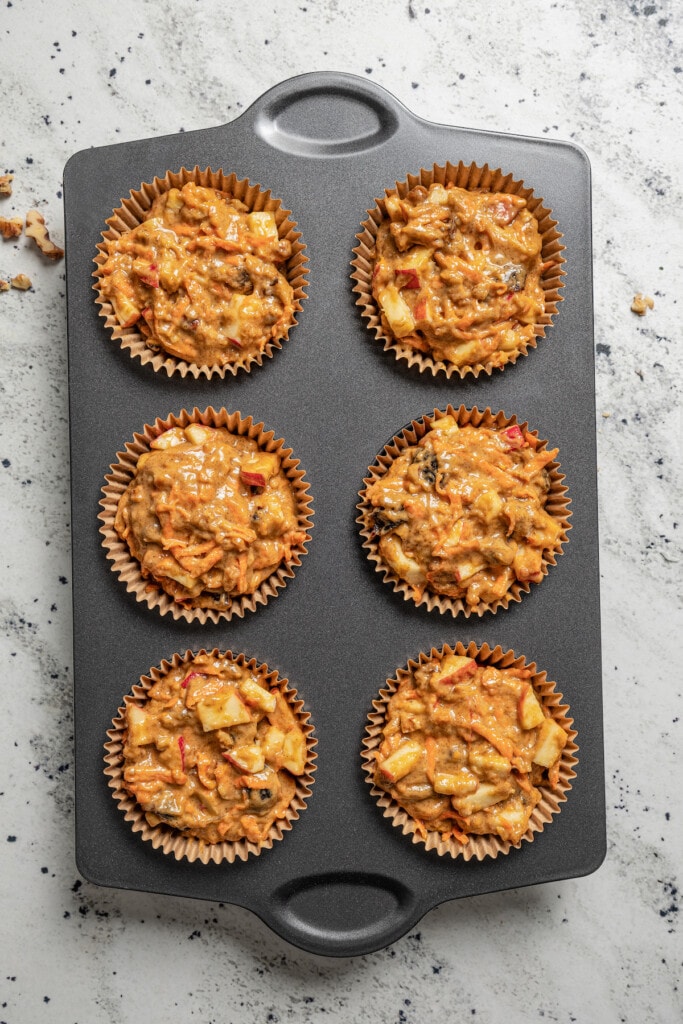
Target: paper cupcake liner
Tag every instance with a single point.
(164, 837)
(133, 211)
(467, 176)
(557, 505)
(478, 846)
(128, 568)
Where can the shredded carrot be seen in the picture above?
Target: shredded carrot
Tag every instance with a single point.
(502, 745)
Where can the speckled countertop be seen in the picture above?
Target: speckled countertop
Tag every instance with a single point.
(606, 75)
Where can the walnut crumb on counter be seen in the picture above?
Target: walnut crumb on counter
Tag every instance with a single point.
(641, 303)
(6, 184)
(4, 285)
(36, 229)
(22, 282)
(11, 227)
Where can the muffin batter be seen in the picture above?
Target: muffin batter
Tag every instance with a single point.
(209, 515)
(458, 274)
(466, 746)
(202, 277)
(462, 513)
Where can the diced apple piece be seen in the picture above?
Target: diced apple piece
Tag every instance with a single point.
(404, 566)
(294, 752)
(529, 711)
(407, 277)
(489, 504)
(467, 567)
(393, 208)
(490, 764)
(169, 439)
(552, 740)
(266, 464)
(455, 667)
(410, 722)
(257, 696)
(438, 195)
(272, 742)
(513, 438)
(252, 479)
(444, 423)
(197, 433)
(455, 783)
(486, 795)
(223, 712)
(401, 761)
(248, 758)
(127, 313)
(140, 726)
(262, 224)
(174, 200)
(397, 311)
(416, 258)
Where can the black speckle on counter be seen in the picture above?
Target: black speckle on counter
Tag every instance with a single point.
(672, 896)
(6, 463)
(411, 12)
(415, 85)
(11, 839)
(112, 72)
(63, 579)
(602, 349)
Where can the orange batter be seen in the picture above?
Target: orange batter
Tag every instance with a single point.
(462, 513)
(202, 277)
(458, 274)
(213, 751)
(208, 515)
(466, 746)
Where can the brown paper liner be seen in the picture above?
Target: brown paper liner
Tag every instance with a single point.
(170, 840)
(133, 211)
(468, 176)
(478, 846)
(557, 505)
(128, 568)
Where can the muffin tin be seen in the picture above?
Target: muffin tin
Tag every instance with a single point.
(343, 881)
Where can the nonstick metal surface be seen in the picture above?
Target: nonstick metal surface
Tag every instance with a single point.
(344, 881)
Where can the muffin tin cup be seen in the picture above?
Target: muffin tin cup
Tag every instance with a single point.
(557, 505)
(128, 568)
(169, 840)
(477, 847)
(134, 210)
(467, 176)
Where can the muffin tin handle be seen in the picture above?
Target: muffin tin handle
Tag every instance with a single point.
(324, 114)
(342, 913)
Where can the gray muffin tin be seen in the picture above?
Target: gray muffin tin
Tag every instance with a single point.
(344, 881)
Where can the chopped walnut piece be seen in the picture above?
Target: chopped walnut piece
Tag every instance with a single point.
(641, 303)
(6, 184)
(11, 227)
(4, 285)
(35, 229)
(22, 282)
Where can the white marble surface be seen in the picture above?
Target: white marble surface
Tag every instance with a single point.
(604, 73)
